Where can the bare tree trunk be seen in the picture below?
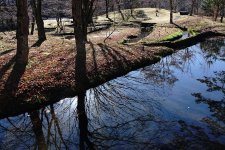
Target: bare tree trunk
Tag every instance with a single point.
(34, 14)
(59, 27)
(81, 18)
(197, 6)
(222, 13)
(11, 85)
(107, 10)
(85, 31)
(132, 8)
(119, 9)
(80, 35)
(171, 11)
(216, 13)
(40, 22)
(22, 32)
(36, 8)
(32, 25)
(192, 7)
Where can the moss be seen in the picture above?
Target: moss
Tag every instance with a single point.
(183, 43)
(193, 31)
(172, 37)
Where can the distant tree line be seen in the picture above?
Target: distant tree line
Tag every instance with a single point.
(214, 8)
(7, 15)
(62, 8)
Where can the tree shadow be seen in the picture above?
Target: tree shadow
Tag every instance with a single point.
(108, 53)
(180, 27)
(49, 29)
(6, 67)
(38, 43)
(6, 52)
(11, 85)
(9, 101)
(94, 57)
(114, 54)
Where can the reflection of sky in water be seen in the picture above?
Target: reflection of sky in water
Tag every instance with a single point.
(149, 107)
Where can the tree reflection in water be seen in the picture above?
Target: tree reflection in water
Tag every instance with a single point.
(43, 129)
(120, 118)
(112, 108)
(217, 107)
(214, 49)
(163, 74)
(114, 117)
(37, 129)
(124, 113)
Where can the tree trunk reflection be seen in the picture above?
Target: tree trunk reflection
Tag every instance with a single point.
(37, 128)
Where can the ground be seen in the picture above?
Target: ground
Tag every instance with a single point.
(51, 66)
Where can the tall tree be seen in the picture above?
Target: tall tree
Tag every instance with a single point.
(207, 7)
(222, 11)
(82, 11)
(119, 9)
(107, 9)
(107, 6)
(198, 5)
(131, 5)
(216, 4)
(79, 31)
(32, 24)
(22, 32)
(171, 11)
(59, 15)
(37, 8)
(192, 6)
(213, 8)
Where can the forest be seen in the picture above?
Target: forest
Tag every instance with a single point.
(112, 74)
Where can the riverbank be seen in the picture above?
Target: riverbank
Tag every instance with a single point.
(49, 76)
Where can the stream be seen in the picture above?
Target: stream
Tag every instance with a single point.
(177, 103)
